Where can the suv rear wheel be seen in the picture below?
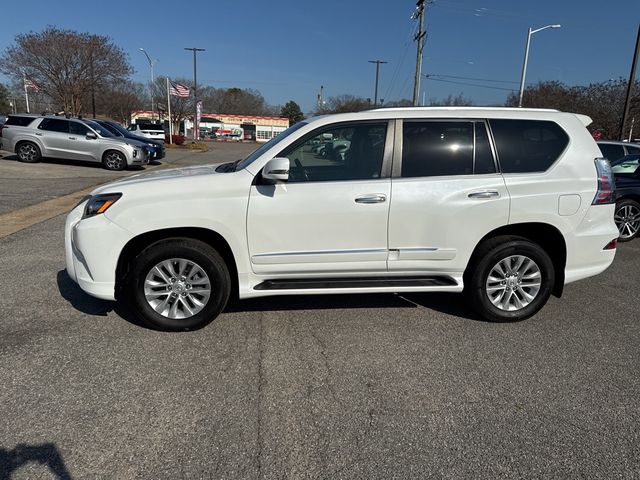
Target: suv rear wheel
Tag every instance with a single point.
(510, 279)
(28, 152)
(179, 284)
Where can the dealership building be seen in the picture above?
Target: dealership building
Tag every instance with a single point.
(260, 129)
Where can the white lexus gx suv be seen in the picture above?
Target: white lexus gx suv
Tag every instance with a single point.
(507, 205)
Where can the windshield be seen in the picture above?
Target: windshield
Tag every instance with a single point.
(119, 128)
(275, 140)
(99, 128)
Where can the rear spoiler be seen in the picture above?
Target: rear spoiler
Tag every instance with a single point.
(586, 120)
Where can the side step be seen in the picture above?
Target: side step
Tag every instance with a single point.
(368, 282)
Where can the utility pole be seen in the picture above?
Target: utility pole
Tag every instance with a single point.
(196, 128)
(375, 94)
(419, 14)
(632, 79)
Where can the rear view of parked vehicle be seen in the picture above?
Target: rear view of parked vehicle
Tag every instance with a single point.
(33, 137)
(505, 205)
(148, 130)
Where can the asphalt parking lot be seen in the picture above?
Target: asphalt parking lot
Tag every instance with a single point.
(333, 387)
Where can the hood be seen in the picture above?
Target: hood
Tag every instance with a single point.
(121, 140)
(160, 175)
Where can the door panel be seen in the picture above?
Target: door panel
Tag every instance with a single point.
(436, 222)
(318, 227)
(445, 194)
(54, 134)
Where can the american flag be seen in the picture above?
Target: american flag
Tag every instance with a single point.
(28, 83)
(178, 90)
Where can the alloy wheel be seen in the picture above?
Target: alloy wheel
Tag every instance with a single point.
(513, 283)
(627, 219)
(177, 288)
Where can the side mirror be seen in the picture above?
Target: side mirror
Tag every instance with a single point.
(91, 136)
(276, 169)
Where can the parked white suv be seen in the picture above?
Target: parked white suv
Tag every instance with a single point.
(148, 130)
(508, 205)
(32, 137)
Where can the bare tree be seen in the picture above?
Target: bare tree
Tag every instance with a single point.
(67, 65)
(120, 100)
(451, 101)
(5, 94)
(234, 101)
(603, 102)
(344, 104)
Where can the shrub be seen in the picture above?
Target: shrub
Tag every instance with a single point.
(176, 139)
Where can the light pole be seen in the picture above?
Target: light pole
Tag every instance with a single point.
(526, 57)
(151, 64)
(375, 95)
(196, 128)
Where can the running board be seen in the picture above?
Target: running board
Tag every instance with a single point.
(367, 282)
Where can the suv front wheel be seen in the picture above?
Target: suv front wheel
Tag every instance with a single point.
(179, 284)
(510, 279)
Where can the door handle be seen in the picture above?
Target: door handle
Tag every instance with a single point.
(72, 138)
(38, 134)
(485, 194)
(375, 198)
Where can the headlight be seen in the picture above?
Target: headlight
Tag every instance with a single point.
(100, 204)
(151, 144)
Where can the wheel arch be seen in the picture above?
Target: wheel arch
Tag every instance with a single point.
(629, 196)
(545, 235)
(20, 141)
(134, 246)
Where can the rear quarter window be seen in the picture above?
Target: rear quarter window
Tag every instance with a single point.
(20, 121)
(528, 146)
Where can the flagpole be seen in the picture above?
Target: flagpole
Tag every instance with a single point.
(169, 108)
(26, 94)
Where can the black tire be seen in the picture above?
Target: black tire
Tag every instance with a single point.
(627, 218)
(488, 255)
(28, 152)
(114, 160)
(191, 250)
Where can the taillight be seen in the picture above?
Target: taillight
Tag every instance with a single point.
(606, 183)
(611, 245)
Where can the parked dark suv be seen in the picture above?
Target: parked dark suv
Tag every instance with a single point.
(156, 149)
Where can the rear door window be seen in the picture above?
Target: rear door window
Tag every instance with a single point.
(438, 148)
(633, 149)
(527, 146)
(54, 125)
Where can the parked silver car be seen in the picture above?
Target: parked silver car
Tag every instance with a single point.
(33, 137)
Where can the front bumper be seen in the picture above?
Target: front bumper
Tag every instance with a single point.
(141, 158)
(92, 249)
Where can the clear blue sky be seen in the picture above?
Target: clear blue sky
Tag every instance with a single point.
(286, 49)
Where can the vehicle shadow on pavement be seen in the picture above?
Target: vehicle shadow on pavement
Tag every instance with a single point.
(44, 454)
(89, 305)
(77, 163)
(447, 303)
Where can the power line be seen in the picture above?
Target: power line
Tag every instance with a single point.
(471, 78)
(469, 84)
